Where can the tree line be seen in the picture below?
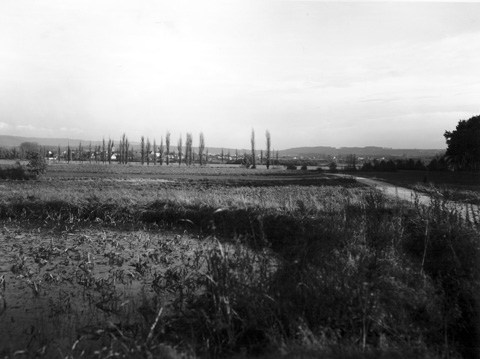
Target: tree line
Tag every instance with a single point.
(149, 152)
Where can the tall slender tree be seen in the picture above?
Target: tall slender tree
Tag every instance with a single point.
(160, 151)
(103, 151)
(126, 147)
(188, 149)
(201, 148)
(109, 151)
(269, 144)
(147, 151)
(154, 152)
(253, 149)
(167, 148)
(120, 151)
(123, 149)
(142, 149)
(179, 147)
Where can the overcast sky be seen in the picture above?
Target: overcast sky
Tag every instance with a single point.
(313, 73)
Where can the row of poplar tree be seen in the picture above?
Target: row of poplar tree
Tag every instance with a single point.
(161, 153)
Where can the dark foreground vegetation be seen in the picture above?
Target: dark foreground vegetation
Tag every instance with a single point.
(207, 266)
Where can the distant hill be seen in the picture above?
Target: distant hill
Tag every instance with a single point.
(14, 141)
(370, 151)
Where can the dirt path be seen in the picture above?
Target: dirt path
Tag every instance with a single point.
(470, 211)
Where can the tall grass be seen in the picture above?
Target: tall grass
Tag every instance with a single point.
(344, 272)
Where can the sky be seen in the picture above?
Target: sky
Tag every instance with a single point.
(313, 73)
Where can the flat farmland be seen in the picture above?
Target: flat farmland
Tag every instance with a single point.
(208, 262)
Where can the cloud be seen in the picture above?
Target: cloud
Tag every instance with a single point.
(4, 126)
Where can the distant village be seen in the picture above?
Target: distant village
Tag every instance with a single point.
(343, 158)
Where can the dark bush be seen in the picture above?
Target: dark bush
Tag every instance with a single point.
(16, 172)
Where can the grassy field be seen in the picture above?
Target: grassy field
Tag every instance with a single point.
(177, 262)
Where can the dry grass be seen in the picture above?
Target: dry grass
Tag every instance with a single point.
(208, 268)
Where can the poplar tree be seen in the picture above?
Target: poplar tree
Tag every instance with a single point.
(109, 151)
(167, 147)
(125, 150)
(154, 152)
(148, 149)
(253, 149)
(188, 149)
(120, 151)
(103, 150)
(179, 147)
(160, 151)
(201, 148)
(142, 150)
(267, 135)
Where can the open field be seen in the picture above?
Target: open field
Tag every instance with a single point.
(132, 262)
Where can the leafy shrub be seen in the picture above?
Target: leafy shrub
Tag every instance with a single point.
(291, 167)
(37, 164)
(304, 168)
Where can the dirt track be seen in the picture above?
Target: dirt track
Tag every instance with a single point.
(469, 211)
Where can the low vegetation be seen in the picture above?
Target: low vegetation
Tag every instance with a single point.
(35, 167)
(233, 264)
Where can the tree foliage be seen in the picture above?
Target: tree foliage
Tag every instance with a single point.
(252, 140)
(463, 151)
(142, 149)
(179, 147)
(148, 149)
(269, 144)
(201, 148)
(167, 148)
(36, 163)
(160, 151)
